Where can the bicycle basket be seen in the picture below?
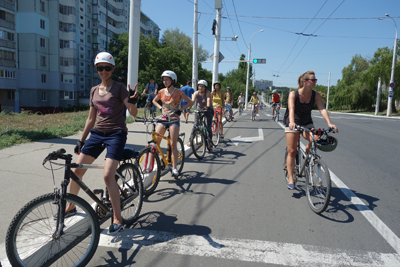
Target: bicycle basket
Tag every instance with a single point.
(326, 143)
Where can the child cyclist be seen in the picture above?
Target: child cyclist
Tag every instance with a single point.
(171, 98)
(107, 127)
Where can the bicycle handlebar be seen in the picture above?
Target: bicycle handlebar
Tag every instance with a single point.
(315, 131)
(56, 155)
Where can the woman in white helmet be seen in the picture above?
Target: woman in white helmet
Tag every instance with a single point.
(171, 98)
(203, 98)
(107, 127)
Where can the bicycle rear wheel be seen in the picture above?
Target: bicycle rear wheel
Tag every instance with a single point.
(30, 241)
(150, 176)
(198, 143)
(131, 192)
(253, 116)
(215, 132)
(318, 186)
(181, 155)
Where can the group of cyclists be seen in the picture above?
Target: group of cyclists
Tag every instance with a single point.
(107, 127)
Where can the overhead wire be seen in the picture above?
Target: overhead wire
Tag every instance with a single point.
(240, 29)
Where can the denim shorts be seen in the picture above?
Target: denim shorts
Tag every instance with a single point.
(174, 123)
(113, 141)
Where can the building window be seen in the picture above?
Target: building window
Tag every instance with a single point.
(67, 95)
(43, 78)
(42, 24)
(6, 35)
(42, 6)
(88, 9)
(42, 42)
(89, 68)
(11, 95)
(67, 78)
(89, 39)
(67, 27)
(7, 74)
(43, 61)
(67, 10)
(44, 96)
(88, 24)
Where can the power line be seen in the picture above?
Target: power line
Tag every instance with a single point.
(226, 6)
(234, 7)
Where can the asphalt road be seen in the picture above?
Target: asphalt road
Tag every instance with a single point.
(233, 208)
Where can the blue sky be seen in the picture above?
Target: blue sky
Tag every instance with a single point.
(353, 28)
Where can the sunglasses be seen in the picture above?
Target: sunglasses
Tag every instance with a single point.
(107, 68)
(313, 80)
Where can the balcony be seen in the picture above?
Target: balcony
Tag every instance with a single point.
(7, 5)
(7, 44)
(7, 24)
(7, 63)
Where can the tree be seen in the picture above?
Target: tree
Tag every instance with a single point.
(181, 41)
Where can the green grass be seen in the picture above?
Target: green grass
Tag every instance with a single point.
(25, 127)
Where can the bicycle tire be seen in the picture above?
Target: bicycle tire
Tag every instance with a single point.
(198, 143)
(228, 116)
(131, 192)
(30, 242)
(216, 134)
(253, 117)
(154, 174)
(147, 112)
(181, 155)
(240, 110)
(318, 187)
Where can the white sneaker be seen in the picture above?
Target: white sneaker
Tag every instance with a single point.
(175, 172)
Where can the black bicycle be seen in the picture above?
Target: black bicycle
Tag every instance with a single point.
(43, 234)
(149, 112)
(199, 139)
(316, 172)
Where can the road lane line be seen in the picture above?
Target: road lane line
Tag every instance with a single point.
(286, 254)
(371, 217)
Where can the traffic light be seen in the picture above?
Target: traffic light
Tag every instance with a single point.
(259, 61)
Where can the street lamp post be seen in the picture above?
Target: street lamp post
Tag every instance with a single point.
(389, 106)
(248, 70)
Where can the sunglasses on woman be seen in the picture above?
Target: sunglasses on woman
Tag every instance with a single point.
(313, 80)
(107, 68)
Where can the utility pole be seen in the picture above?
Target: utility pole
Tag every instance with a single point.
(195, 33)
(329, 85)
(218, 7)
(378, 97)
(134, 38)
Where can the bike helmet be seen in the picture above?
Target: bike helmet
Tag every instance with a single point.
(203, 82)
(216, 82)
(171, 74)
(228, 88)
(274, 91)
(104, 57)
(326, 143)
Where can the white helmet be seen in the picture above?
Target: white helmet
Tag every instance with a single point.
(274, 91)
(203, 82)
(171, 74)
(104, 57)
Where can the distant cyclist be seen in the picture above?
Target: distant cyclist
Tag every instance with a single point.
(229, 100)
(153, 88)
(254, 101)
(217, 98)
(300, 104)
(240, 100)
(188, 90)
(276, 101)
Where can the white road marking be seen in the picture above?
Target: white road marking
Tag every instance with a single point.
(238, 139)
(371, 217)
(286, 254)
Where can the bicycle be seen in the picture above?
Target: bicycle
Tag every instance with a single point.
(254, 112)
(149, 109)
(240, 108)
(42, 233)
(276, 112)
(149, 161)
(215, 127)
(227, 112)
(315, 171)
(199, 138)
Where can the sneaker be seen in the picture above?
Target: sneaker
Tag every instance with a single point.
(290, 186)
(115, 228)
(221, 136)
(67, 214)
(174, 172)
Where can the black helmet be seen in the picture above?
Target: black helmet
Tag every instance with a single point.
(326, 143)
(216, 82)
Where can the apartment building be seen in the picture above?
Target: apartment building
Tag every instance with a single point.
(47, 49)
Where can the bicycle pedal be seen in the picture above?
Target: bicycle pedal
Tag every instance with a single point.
(98, 191)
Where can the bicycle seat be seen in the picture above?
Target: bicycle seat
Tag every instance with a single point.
(129, 153)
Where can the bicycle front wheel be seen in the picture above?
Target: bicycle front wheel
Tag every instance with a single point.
(147, 112)
(30, 237)
(198, 143)
(131, 192)
(215, 133)
(228, 116)
(318, 186)
(150, 168)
